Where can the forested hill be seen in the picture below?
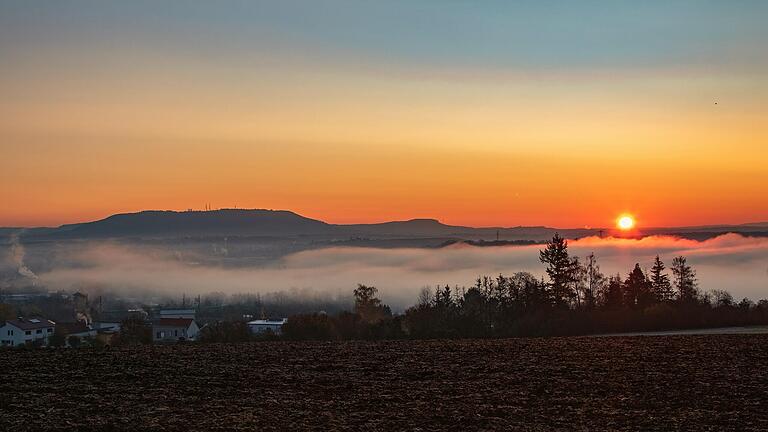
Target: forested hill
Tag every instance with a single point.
(230, 222)
(278, 223)
(287, 224)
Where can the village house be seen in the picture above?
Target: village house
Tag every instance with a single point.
(22, 331)
(174, 330)
(262, 326)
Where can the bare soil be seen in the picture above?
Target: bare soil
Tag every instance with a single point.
(697, 383)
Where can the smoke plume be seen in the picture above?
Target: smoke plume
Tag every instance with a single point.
(17, 257)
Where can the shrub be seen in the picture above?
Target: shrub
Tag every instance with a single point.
(74, 341)
(58, 339)
(134, 330)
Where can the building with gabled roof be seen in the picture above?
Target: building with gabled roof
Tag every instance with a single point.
(174, 330)
(22, 331)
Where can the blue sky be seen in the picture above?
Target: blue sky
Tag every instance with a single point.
(461, 34)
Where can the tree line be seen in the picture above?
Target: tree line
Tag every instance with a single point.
(575, 298)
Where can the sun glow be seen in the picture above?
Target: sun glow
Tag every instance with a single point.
(625, 222)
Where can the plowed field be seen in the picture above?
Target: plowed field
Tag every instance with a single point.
(617, 383)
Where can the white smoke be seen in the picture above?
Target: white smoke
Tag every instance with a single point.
(17, 257)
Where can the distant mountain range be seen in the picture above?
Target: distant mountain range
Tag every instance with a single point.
(282, 224)
(275, 223)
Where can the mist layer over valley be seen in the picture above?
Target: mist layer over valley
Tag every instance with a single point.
(731, 262)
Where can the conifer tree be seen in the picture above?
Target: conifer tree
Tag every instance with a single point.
(559, 269)
(685, 280)
(660, 284)
(637, 290)
(613, 298)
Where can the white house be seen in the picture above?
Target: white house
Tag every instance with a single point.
(20, 331)
(265, 325)
(174, 329)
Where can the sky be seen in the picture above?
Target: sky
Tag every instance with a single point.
(494, 113)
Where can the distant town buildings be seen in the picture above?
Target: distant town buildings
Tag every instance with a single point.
(76, 321)
(261, 326)
(38, 331)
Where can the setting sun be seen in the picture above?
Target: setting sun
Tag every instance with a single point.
(626, 222)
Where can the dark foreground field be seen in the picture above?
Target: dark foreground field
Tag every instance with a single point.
(632, 383)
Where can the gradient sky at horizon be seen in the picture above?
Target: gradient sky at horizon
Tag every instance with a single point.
(495, 113)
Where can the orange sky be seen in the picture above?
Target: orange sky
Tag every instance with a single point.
(479, 154)
(85, 133)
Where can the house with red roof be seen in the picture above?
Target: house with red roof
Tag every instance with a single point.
(174, 330)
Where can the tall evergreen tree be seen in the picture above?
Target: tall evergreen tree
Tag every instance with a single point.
(559, 269)
(613, 298)
(531, 293)
(685, 280)
(660, 284)
(637, 290)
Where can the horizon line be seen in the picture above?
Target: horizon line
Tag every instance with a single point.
(207, 210)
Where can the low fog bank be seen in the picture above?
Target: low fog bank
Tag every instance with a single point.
(730, 262)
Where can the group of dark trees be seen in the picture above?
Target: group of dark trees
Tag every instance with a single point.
(581, 285)
(576, 298)
(59, 339)
(134, 330)
(370, 319)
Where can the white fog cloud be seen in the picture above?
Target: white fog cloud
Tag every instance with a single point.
(733, 262)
